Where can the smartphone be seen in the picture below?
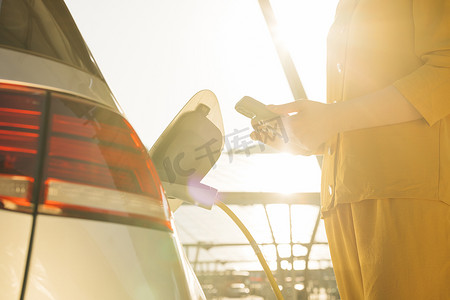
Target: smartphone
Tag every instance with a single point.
(253, 109)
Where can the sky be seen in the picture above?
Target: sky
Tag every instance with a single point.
(155, 55)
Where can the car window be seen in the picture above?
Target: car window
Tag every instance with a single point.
(46, 28)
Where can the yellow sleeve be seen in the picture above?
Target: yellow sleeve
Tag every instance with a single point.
(428, 87)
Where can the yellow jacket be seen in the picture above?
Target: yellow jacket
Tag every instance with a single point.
(371, 45)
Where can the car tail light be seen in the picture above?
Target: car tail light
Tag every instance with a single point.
(95, 166)
(20, 121)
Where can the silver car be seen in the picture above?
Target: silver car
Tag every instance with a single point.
(83, 211)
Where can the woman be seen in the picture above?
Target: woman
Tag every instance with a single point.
(385, 137)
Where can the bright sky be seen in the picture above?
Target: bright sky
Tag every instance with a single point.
(156, 54)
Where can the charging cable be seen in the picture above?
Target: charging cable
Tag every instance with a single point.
(251, 240)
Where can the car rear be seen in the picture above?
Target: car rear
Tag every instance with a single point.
(82, 208)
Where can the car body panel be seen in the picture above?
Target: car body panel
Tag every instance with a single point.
(84, 259)
(33, 70)
(13, 251)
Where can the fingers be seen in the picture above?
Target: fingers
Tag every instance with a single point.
(287, 108)
(255, 136)
(261, 134)
(263, 125)
(255, 124)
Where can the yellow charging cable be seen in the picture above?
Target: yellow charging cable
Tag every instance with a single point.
(251, 240)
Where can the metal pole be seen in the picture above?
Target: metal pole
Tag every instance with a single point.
(283, 54)
(311, 242)
(196, 257)
(291, 241)
(279, 271)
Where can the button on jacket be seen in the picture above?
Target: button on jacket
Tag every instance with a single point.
(371, 45)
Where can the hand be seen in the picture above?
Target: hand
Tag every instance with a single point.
(307, 125)
(277, 137)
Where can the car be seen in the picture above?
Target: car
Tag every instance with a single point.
(84, 207)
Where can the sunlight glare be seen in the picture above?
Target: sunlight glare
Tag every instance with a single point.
(303, 26)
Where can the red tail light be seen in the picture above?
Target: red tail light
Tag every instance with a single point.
(95, 166)
(20, 117)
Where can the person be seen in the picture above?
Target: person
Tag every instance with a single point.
(384, 134)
